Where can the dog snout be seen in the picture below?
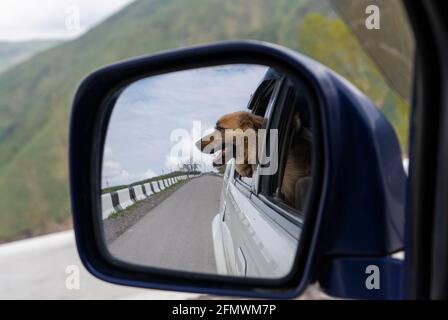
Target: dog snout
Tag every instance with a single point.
(202, 143)
(198, 144)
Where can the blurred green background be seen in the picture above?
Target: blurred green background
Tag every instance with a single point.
(36, 92)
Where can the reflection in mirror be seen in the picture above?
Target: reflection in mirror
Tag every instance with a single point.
(207, 171)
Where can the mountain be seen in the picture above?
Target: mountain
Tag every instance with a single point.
(35, 96)
(13, 53)
(348, 58)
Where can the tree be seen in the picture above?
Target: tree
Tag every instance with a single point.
(329, 41)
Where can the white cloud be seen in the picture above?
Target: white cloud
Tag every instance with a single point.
(150, 110)
(113, 172)
(148, 174)
(43, 19)
(188, 150)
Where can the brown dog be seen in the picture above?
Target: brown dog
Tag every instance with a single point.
(297, 167)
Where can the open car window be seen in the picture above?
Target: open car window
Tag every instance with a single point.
(288, 187)
(261, 99)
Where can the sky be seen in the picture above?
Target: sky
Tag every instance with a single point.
(52, 19)
(157, 120)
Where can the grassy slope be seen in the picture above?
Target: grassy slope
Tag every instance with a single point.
(346, 56)
(35, 96)
(12, 53)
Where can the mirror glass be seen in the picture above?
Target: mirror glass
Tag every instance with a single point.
(207, 170)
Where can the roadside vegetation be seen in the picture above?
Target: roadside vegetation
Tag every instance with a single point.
(329, 40)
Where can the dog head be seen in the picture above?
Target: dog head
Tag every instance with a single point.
(227, 133)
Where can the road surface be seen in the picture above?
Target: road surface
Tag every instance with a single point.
(44, 268)
(177, 233)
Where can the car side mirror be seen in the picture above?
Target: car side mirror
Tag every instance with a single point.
(296, 175)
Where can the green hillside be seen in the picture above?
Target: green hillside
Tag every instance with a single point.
(35, 96)
(12, 53)
(347, 57)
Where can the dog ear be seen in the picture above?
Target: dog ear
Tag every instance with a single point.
(258, 121)
(250, 120)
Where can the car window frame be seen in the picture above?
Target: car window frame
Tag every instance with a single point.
(242, 185)
(274, 209)
(290, 214)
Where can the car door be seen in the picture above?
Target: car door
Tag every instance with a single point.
(254, 232)
(230, 215)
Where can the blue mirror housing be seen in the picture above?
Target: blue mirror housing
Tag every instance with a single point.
(356, 207)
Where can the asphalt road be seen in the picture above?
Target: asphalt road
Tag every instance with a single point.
(44, 268)
(41, 268)
(177, 233)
